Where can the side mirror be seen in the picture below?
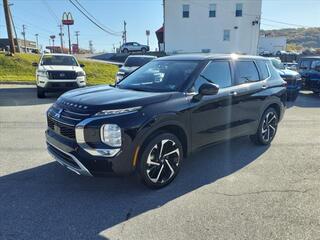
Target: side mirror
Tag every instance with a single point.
(207, 89)
(35, 64)
(82, 65)
(120, 65)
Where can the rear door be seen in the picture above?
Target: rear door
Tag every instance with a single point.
(246, 100)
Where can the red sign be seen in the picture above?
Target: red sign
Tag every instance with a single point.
(67, 19)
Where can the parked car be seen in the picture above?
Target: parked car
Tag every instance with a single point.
(291, 66)
(58, 72)
(309, 68)
(131, 64)
(134, 47)
(162, 112)
(293, 79)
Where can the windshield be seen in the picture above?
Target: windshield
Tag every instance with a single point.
(137, 61)
(59, 60)
(160, 76)
(277, 64)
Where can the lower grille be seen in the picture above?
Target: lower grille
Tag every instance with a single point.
(62, 129)
(62, 85)
(63, 156)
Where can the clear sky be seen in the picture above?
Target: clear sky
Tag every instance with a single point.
(43, 17)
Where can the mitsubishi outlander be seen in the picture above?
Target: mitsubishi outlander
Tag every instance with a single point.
(156, 116)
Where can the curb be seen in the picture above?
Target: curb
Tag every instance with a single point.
(16, 83)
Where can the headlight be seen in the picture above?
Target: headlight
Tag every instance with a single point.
(81, 74)
(111, 135)
(117, 111)
(42, 72)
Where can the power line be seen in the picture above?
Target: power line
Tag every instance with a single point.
(52, 13)
(95, 23)
(91, 15)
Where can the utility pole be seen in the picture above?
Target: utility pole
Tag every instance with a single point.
(37, 40)
(52, 38)
(15, 30)
(24, 37)
(91, 46)
(9, 26)
(61, 37)
(77, 36)
(124, 36)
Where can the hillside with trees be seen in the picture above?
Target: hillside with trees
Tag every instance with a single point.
(298, 38)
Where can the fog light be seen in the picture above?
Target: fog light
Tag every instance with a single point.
(111, 135)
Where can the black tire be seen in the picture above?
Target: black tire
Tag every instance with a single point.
(40, 93)
(143, 50)
(125, 51)
(267, 128)
(155, 168)
(316, 92)
(292, 96)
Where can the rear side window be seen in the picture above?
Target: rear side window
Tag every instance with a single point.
(246, 72)
(305, 64)
(263, 69)
(218, 72)
(315, 64)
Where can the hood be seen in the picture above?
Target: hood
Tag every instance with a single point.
(128, 69)
(59, 68)
(106, 97)
(287, 72)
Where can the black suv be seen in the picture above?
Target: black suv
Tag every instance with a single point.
(162, 112)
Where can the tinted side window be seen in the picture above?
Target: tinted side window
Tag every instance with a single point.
(305, 64)
(246, 72)
(217, 72)
(264, 71)
(315, 64)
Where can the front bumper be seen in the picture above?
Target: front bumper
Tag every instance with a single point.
(60, 85)
(71, 155)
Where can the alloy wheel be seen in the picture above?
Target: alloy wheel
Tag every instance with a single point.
(269, 127)
(163, 161)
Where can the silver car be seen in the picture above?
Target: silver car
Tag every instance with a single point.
(134, 47)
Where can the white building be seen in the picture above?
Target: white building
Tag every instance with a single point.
(272, 44)
(217, 26)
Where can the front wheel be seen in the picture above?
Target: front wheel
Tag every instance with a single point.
(267, 128)
(126, 51)
(143, 50)
(40, 93)
(160, 160)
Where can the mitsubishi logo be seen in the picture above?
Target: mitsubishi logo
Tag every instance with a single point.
(58, 114)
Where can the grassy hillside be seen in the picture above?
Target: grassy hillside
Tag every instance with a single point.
(19, 68)
(304, 37)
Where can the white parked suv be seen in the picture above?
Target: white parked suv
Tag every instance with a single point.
(134, 47)
(58, 72)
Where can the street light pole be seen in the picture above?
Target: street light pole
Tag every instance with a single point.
(37, 40)
(24, 37)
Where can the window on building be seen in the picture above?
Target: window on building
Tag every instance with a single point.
(239, 8)
(185, 10)
(246, 72)
(212, 10)
(226, 35)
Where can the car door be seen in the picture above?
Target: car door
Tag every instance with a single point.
(136, 47)
(246, 102)
(211, 116)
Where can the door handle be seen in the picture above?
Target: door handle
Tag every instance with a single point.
(264, 87)
(233, 93)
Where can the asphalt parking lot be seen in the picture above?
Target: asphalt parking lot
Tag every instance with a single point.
(233, 190)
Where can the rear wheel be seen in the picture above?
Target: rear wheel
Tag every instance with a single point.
(160, 160)
(267, 128)
(125, 50)
(40, 92)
